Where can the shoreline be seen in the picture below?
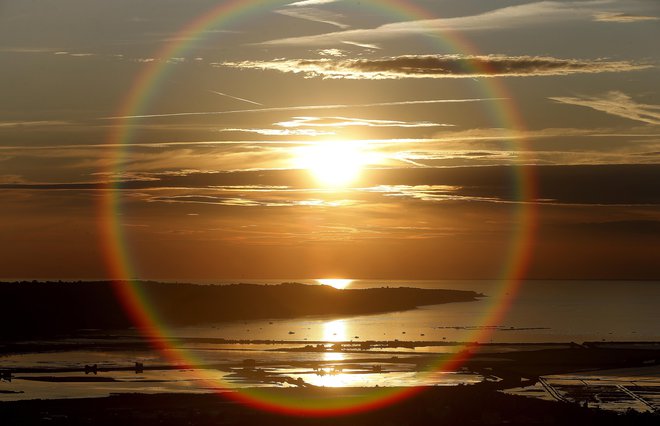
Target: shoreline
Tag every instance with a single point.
(514, 368)
(76, 306)
(513, 362)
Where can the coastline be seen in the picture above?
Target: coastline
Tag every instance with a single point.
(517, 368)
(97, 305)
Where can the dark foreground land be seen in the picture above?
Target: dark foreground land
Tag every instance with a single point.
(47, 308)
(462, 405)
(477, 404)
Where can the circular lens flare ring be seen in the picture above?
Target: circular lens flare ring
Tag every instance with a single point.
(121, 265)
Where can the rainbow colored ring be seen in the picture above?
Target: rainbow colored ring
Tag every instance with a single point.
(116, 249)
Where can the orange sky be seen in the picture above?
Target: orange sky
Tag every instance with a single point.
(330, 139)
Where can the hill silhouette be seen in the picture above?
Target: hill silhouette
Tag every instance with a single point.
(33, 308)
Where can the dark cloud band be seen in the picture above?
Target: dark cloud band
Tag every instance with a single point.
(438, 66)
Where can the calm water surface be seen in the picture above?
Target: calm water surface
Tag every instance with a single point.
(540, 311)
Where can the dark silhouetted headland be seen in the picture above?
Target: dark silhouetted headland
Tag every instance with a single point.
(43, 308)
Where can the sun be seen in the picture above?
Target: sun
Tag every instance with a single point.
(335, 163)
(337, 283)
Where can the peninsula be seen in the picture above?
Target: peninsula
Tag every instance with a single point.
(44, 308)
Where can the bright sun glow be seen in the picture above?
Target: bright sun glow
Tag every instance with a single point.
(335, 282)
(332, 163)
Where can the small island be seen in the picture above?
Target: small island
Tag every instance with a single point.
(43, 308)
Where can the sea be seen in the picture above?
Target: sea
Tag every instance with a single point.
(531, 312)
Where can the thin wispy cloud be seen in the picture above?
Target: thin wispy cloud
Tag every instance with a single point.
(236, 98)
(558, 184)
(281, 132)
(315, 15)
(369, 46)
(74, 54)
(452, 158)
(154, 145)
(450, 139)
(551, 132)
(346, 122)
(250, 202)
(452, 154)
(309, 126)
(420, 192)
(42, 123)
(438, 66)
(305, 108)
(623, 18)
(525, 15)
(51, 50)
(616, 103)
(311, 2)
(336, 53)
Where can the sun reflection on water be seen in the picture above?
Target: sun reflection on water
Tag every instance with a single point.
(335, 380)
(333, 356)
(335, 331)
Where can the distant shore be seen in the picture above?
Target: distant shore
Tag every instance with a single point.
(65, 307)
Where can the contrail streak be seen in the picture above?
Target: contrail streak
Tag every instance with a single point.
(236, 97)
(305, 107)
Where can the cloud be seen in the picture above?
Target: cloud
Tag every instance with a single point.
(438, 66)
(311, 2)
(314, 15)
(281, 132)
(414, 156)
(306, 108)
(337, 53)
(236, 98)
(345, 122)
(307, 126)
(577, 185)
(250, 202)
(616, 103)
(525, 15)
(30, 50)
(424, 192)
(623, 18)
(42, 123)
(622, 184)
(78, 55)
(503, 134)
(209, 199)
(362, 45)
